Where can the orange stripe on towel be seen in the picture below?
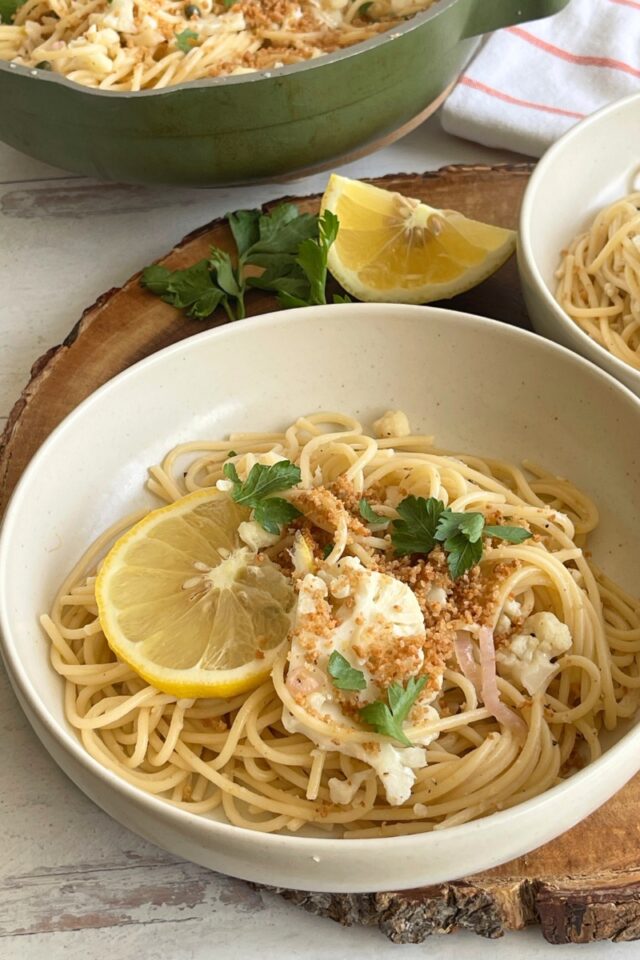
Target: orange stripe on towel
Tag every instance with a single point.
(627, 3)
(585, 61)
(500, 95)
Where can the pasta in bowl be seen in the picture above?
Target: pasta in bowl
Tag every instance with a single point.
(452, 660)
(443, 648)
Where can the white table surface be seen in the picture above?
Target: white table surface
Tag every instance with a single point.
(73, 882)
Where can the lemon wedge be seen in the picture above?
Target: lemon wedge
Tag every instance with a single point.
(187, 606)
(392, 248)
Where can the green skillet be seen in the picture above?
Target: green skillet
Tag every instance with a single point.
(259, 126)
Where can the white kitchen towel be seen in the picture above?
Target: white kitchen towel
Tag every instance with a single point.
(530, 83)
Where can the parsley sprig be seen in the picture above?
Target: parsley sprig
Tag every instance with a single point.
(186, 40)
(388, 718)
(307, 275)
(424, 522)
(258, 489)
(8, 9)
(288, 247)
(368, 513)
(193, 290)
(344, 676)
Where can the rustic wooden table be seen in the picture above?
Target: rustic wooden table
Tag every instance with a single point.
(73, 882)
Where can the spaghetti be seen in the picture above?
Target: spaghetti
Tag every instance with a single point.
(150, 44)
(599, 280)
(507, 717)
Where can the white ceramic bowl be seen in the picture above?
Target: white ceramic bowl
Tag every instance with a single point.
(477, 384)
(592, 165)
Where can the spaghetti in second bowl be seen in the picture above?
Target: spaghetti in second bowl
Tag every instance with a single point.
(599, 279)
(577, 254)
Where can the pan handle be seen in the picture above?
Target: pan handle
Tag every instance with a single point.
(484, 16)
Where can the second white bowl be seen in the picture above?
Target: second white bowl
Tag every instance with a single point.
(594, 163)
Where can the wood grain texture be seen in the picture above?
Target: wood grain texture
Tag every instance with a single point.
(144, 890)
(582, 887)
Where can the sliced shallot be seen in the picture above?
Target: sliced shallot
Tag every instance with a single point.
(463, 646)
(489, 683)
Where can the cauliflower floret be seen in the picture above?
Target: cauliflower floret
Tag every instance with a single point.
(343, 791)
(365, 616)
(511, 611)
(255, 536)
(393, 423)
(230, 22)
(527, 657)
(120, 16)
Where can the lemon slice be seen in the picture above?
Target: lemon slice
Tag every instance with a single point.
(392, 248)
(190, 609)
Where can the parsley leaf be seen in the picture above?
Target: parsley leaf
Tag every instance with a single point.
(186, 40)
(263, 480)
(415, 532)
(326, 550)
(462, 535)
(379, 716)
(281, 231)
(283, 275)
(364, 8)
(462, 554)
(367, 513)
(227, 279)
(8, 9)
(273, 241)
(244, 227)
(512, 534)
(345, 677)
(388, 719)
(273, 512)
(230, 472)
(294, 256)
(424, 522)
(470, 524)
(312, 257)
(192, 290)
(401, 699)
(270, 512)
(342, 298)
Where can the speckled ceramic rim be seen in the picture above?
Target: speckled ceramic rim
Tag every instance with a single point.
(483, 828)
(543, 170)
(388, 37)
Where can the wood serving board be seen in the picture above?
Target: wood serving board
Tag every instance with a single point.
(585, 885)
